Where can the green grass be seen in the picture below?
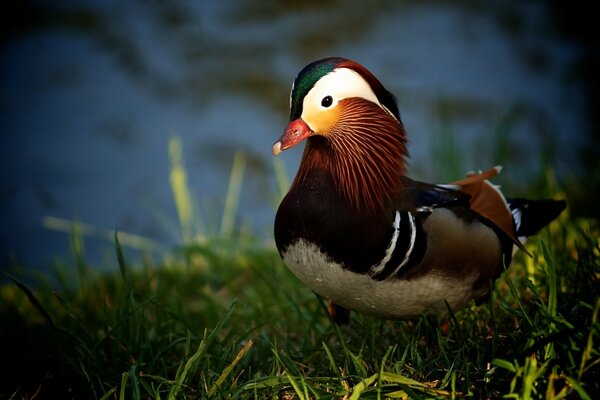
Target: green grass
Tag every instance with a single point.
(225, 319)
(222, 318)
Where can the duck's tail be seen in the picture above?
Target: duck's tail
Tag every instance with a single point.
(532, 215)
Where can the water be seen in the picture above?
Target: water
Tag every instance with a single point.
(92, 92)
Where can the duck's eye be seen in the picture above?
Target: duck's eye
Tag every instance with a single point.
(327, 101)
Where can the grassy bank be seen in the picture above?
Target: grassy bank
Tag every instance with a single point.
(222, 318)
(225, 319)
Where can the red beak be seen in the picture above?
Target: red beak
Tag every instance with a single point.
(295, 133)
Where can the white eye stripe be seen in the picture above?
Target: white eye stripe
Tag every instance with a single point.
(340, 84)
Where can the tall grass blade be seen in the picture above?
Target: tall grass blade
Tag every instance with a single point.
(233, 193)
(180, 189)
(498, 362)
(334, 368)
(135, 387)
(296, 386)
(182, 374)
(578, 388)
(589, 348)
(33, 300)
(517, 297)
(552, 296)
(124, 379)
(78, 251)
(121, 260)
(362, 386)
(291, 372)
(402, 380)
(229, 368)
(109, 393)
(86, 230)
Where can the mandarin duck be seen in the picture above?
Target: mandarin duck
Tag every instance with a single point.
(357, 231)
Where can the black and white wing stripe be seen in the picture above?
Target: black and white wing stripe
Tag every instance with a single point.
(406, 247)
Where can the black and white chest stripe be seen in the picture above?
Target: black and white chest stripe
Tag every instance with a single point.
(406, 247)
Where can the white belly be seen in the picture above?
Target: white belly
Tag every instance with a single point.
(393, 299)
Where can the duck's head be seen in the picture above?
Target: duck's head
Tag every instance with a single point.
(327, 94)
(353, 128)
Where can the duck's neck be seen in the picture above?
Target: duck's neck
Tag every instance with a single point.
(365, 154)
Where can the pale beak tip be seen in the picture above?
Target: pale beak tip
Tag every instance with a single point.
(276, 148)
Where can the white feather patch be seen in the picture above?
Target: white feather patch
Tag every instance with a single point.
(391, 247)
(413, 237)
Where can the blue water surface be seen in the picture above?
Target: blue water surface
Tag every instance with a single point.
(92, 93)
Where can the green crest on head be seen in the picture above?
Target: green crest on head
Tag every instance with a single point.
(305, 81)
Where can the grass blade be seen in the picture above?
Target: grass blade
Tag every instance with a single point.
(552, 296)
(182, 374)
(109, 393)
(229, 368)
(33, 300)
(124, 379)
(121, 260)
(180, 190)
(362, 386)
(233, 193)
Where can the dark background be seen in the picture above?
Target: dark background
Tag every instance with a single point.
(92, 91)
